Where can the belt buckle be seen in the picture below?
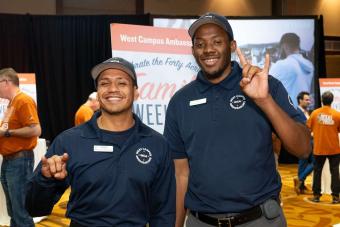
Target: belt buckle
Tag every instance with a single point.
(226, 220)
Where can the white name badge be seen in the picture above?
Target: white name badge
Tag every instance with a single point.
(198, 102)
(100, 148)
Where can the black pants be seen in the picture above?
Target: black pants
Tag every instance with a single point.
(334, 169)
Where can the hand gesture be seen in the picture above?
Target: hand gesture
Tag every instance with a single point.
(254, 81)
(54, 166)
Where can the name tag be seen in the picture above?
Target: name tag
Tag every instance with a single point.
(198, 102)
(99, 148)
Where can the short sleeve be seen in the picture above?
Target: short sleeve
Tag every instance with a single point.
(172, 131)
(28, 113)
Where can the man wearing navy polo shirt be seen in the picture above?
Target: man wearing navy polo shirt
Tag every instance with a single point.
(219, 130)
(120, 171)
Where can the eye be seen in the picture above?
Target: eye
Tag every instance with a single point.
(122, 83)
(217, 42)
(198, 45)
(103, 83)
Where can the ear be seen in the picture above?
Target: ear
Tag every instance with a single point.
(136, 94)
(233, 46)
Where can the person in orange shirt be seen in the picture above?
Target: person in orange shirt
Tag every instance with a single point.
(325, 125)
(19, 132)
(86, 110)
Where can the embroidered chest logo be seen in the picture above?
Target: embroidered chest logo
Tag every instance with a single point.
(237, 102)
(143, 155)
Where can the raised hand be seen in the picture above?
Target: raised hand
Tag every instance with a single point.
(54, 166)
(254, 81)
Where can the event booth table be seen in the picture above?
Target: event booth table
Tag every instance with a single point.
(39, 151)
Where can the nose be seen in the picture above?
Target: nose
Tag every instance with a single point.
(113, 86)
(208, 48)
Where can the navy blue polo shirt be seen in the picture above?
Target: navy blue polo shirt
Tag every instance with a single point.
(110, 185)
(227, 141)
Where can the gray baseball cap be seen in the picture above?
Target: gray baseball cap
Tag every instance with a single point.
(115, 63)
(211, 18)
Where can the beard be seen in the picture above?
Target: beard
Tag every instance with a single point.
(216, 74)
(220, 71)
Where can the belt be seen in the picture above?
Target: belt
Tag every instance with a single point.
(76, 224)
(231, 221)
(18, 154)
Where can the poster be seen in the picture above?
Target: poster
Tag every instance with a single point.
(332, 85)
(163, 62)
(292, 63)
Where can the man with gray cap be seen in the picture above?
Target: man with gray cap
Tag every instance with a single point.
(219, 130)
(120, 170)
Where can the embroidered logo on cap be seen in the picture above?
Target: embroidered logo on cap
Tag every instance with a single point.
(237, 102)
(143, 155)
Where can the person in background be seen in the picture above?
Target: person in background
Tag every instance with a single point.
(324, 123)
(86, 110)
(305, 165)
(293, 70)
(120, 170)
(19, 132)
(219, 128)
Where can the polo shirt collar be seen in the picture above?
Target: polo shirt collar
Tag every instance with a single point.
(228, 83)
(91, 130)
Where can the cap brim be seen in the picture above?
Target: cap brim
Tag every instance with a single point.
(95, 72)
(199, 23)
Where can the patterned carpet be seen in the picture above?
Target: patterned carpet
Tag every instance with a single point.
(299, 211)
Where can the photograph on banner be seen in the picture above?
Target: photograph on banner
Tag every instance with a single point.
(290, 42)
(163, 62)
(332, 85)
(27, 85)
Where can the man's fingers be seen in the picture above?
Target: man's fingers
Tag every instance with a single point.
(252, 71)
(55, 163)
(243, 60)
(44, 161)
(55, 166)
(60, 175)
(65, 157)
(266, 63)
(45, 168)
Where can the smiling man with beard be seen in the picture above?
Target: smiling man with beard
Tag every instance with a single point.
(219, 129)
(120, 170)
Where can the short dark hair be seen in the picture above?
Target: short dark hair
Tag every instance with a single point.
(292, 39)
(11, 75)
(327, 98)
(301, 95)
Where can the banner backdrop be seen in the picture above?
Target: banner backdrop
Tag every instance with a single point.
(163, 62)
(27, 85)
(332, 85)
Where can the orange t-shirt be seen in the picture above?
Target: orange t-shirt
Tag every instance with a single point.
(325, 125)
(21, 112)
(83, 114)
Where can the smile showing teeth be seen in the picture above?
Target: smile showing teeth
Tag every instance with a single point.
(210, 61)
(113, 99)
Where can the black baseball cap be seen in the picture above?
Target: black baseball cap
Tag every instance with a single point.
(115, 63)
(211, 18)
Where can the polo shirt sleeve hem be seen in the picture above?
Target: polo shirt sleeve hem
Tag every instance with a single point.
(178, 155)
